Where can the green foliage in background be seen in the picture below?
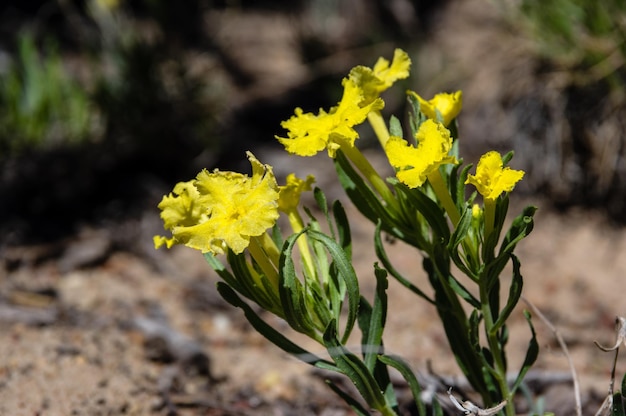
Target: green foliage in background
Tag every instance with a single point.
(137, 89)
(41, 105)
(588, 37)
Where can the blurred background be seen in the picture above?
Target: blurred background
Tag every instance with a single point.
(105, 104)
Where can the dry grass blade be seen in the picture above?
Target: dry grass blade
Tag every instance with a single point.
(469, 408)
(563, 346)
(620, 324)
(620, 329)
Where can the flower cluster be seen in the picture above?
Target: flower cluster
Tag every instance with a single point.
(427, 204)
(220, 210)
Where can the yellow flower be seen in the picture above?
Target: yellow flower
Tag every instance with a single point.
(414, 165)
(289, 195)
(447, 105)
(477, 212)
(492, 178)
(375, 80)
(309, 133)
(220, 209)
(180, 210)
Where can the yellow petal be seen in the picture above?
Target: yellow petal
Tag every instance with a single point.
(399, 68)
(492, 179)
(289, 195)
(373, 81)
(414, 164)
(307, 134)
(443, 107)
(180, 206)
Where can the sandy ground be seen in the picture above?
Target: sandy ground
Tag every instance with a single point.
(147, 334)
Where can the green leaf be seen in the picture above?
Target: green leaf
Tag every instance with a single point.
(416, 117)
(358, 191)
(461, 230)
(489, 245)
(455, 324)
(343, 228)
(242, 281)
(351, 401)
(322, 204)
(437, 410)
(381, 375)
(291, 291)
(619, 408)
(222, 272)
(531, 355)
(263, 328)
(277, 236)
(432, 212)
(521, 227)
(405, 370)
(346, 272)
(460, 187)
(367, 201)
(618, 405)
(378, 317)
(442, 262)
(382, 256)
(395, 128)
(364, 320)
(459, 234)
(515, 291)
(250, 288)
(350, 365)
(507, 157)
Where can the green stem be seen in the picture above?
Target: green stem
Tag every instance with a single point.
(297, 224)
(270, 248)
(378, 125)
(496, 351)
(386, 411)
(490, 216)
(364, 166)
(441, 190)
(258, 254)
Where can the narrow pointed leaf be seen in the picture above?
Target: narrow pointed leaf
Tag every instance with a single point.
(405, 370)
(346, 272)
(515, 291)
(262, 327)
(378, 316)
(531, 355)
(351, 401)
(355, 369)
(382, 256)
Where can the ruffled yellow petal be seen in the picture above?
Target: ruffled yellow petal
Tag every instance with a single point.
(221, 209)
(414, 164)
(307, 133)
(373, 81)
(180, 207)
(160, 241)
(289, 195)
(492, 179)
(399, 68)
(443, 107)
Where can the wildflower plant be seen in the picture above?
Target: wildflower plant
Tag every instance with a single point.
(454, 219)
